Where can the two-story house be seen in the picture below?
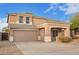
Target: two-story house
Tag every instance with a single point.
(26, 27)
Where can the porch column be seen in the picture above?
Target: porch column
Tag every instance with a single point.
(67, 32)
(47, 37)
(11, 36)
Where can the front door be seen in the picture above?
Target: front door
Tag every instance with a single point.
(54, 34)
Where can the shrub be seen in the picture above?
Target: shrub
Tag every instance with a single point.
(65, 39)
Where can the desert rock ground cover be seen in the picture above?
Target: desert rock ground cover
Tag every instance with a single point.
(53, 48)
(39, 48)
(7, 48)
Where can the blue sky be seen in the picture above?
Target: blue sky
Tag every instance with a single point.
(58, 11)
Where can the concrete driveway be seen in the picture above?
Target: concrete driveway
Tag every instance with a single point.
(42, 48)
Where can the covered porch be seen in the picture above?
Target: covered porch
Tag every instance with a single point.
(49, 32)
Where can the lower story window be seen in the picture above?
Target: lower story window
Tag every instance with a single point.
(27, 20)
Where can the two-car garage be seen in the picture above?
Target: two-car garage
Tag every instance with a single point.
(25, 35)
(22, 32)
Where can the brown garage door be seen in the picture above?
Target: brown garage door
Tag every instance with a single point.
(25, 35)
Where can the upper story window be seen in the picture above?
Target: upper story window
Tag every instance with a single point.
(20, 19)
(27, 20)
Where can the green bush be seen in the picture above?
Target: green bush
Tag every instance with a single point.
(65, 39)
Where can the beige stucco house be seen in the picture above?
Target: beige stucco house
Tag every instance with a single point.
(26, 27)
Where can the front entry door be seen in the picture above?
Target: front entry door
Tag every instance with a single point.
(54, 34)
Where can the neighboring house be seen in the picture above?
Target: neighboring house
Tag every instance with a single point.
(26, 27)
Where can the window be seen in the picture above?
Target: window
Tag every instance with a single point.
(20, 19)
(27, 20)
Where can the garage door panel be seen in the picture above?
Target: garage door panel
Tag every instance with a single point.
(26, 35)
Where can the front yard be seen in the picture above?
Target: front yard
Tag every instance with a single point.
(39, 48)
(7, 48)
(53, 48)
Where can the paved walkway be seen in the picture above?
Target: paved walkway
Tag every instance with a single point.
(42, 48)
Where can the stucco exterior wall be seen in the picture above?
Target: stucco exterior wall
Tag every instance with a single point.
(14, 18)
(11, 36)
(37, 21)
(64, 26)
(42, 34)
(48, 26)
(47, 34)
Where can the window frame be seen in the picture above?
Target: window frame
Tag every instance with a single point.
(21, 20)
(27, 21)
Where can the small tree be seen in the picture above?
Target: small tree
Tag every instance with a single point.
(5, 29)
(74, 24)
(75, 21)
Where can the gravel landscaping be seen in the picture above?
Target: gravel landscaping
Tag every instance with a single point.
(39, 48)
(7, 48)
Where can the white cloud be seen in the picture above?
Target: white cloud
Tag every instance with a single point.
(62, 8)
(72, 8)
(3, 23)
(51, 7)
(67, 8)
(47, 10)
